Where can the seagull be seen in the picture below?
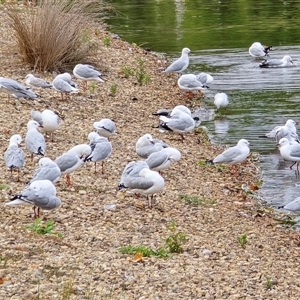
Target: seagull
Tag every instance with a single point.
(101, 149)
(233, 155)
(221, 100)
(205, 79)
(258, 50)
(63, 83)
(277, 63)
(178, 122)
(288, 131)
(147, 145)
(87, 73)
(40, 194)
(72, 160)
(290, 152)
(180, 64)
(48, 119)
(14, 156)
(148, 182)
(48, 169)
(162, 159)
(34, 140)
(131, 171)
(105, 127)
(292, 206)
(16, 89)
(36, 82)
(168, 112)
(190, 82)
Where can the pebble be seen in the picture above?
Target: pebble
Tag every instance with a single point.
(206, 252)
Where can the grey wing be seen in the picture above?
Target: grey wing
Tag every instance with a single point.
(51, 173)
(25, 94)
(88, 71)
(281, 132)
(191, 83)
(12, 85)
(102, 151)
(14, 157)
(179, 123)
(62, 85)
(66, 161)
(37, 116)
(273, 62)
(38, 82)
(160, 142)
(177, 65)
(133, 169)
(156, 159)
(35, 142)
(140, 183)
(228, 155)
(295, 150)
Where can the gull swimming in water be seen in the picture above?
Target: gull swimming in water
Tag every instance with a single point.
(48, 169)
(101, 149)
(14, 156)
(221, 100)
(16, 89)
(36, 82)
(34, 140)
(105, 127)
(257, 50)
(180, 64)
(288, 131)
(293, 206)
(205, 79)
(87, 73)
(63, 83)
(148, 182)
(72, 160)
(40, 194)
(277, 63)
(290, 152)
(233, 155)
(147, 145)
(48, 119)
(163, 159)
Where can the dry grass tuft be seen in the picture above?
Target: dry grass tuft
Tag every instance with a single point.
(56, 33)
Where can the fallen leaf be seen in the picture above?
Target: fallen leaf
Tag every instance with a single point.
(253, 187)
(2, 279)
(138, 257)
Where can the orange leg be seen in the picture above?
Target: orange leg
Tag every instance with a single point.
(68, 180)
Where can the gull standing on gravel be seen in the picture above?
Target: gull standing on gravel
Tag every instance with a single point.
(147, 145)
(257, 50)
(36, 82)
(163, 159)
(180, 64)
(189, 83)
(168, 112)
(105, 127)
(101, 149)
(293, 206)
(290, 152)
(221, 100)
(48, 169)
(148, 182)
(277, 63)
(16, 89)
(40, 194)
(34, 140)
(48, 119)
(14, 156)
(87, 73)
(178, 122)
(233, 155)
(63, 83)
(72, 160)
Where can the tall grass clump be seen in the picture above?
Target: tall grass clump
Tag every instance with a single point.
(53, 35)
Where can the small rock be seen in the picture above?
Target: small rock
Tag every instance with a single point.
(206, 252)
(82, 192)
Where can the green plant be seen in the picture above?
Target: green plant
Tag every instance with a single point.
(93, 87)
(43, 228)
(3, 261)
(127, 71)
(140, 73)
(3, 186)
(67, 290)
(106, 41)
(242, 239)
(175, 240)
(53, 35)
(195, 200)
(269, 283)
(113, 90)
(145, 251)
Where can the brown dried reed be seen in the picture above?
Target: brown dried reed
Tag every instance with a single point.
(56, 33)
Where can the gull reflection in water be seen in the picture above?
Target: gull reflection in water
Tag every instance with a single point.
(221, 126)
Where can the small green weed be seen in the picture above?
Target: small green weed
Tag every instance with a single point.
(67, 290)
(127, 71)
(289, 220)
(269, 283)
(40, 228)
(3, 186)
(113, 90)
(3, 261)
(106, 41)
(93, 88)
(140, 73)
(195, 200)
(242, 239)
(145, 251)
(175, 240)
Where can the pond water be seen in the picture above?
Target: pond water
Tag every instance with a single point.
(219, 34)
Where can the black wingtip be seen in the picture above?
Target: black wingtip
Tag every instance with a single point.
(121, 186)
(164, 126)
(209, 162)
